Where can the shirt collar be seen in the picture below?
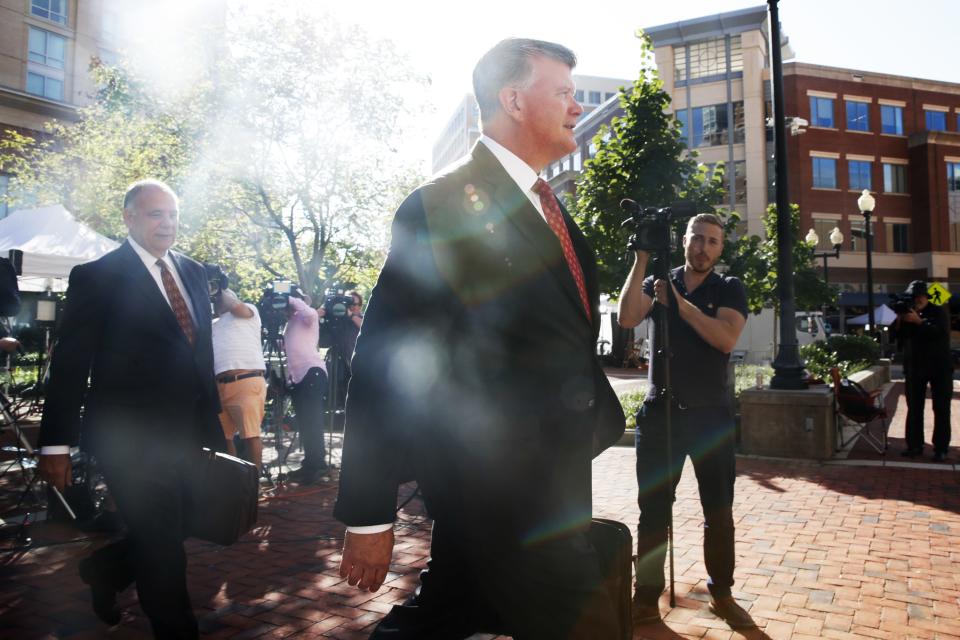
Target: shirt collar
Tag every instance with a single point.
(518, 170)
(148, 259)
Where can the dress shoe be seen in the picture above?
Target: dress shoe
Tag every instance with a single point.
(644, 613)
(731, 613)
(308, 475)
(104, 596)
(911, 453)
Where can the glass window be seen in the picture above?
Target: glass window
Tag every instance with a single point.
(608, 95)
(578, 95)
(935, 120)
(891, 119)
(860, 174)
(821, 112)
(953, 176)
(894, 178)
(46, 48)
(45, 86)
(708, 59)
(898, 237)
(740, 181)
(682, 119)
(824, 173)
(858, 116)
(823, 229)
(953, 193)
(711, 125)
(52, 10)
(858, 241)
(594, 97)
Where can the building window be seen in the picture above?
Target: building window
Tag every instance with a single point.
(608, 95)
(824, 173)
(821, 112)
(898, 237)
(858, 240)
(935, 120)
(52, 10)
(711, 125)
(594, 97)
(953, 192)
(823, 229)
(894, 178)
(578, 95)
(858, 116)
(891, 119)
(708, 60)
(740, 182)
(45, 64)
(860, 174)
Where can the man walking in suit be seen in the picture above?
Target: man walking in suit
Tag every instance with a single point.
(137, 323)
(475, 374)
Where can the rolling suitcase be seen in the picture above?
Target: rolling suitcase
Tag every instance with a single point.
(614, 545)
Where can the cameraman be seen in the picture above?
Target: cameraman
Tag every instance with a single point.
(925, 332)
(239, 366)
(705, 313)
(308, 374)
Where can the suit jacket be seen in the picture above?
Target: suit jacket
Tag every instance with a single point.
(475, 370)
(123, 358)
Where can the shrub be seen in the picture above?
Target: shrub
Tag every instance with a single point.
(631, 401)
(848, 353)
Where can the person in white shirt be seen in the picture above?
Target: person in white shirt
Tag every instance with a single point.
(239, 366)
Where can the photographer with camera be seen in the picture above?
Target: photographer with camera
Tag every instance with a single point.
(307, 372)
(239, 365)
(924, 330)
(705, 313)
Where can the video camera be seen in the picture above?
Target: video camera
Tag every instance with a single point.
(901, 303)
(273, 305)
(652, 225)
(217, 280)
(336, 313)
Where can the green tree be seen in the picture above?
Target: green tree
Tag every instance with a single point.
(640, 156)
(755, 261)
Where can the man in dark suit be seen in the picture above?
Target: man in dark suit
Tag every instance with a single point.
(137, 322)
(475, 374)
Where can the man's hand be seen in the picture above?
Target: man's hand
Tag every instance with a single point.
(912, 317)
(366, 559)
(660, 292)
(56, 470)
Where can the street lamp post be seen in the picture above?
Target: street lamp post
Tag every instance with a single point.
(836, 239)
(866, 203)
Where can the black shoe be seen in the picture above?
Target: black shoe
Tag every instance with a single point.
(644, 613)
(910, 452)
(940, 457)
(308, 475)
(731, 613)
(104, 596)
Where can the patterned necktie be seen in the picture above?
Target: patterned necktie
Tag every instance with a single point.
(551, 211)
(177, 302)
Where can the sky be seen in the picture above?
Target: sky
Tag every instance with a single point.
(444, 38)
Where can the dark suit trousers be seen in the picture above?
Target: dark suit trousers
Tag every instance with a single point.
(940, 379)
(310, 403)
(549, 591)
(707, 436)
(149, 487)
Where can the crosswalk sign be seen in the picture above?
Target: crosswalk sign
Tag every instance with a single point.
(938, 293)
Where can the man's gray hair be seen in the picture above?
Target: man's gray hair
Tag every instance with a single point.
(135, 188)
(508, 63)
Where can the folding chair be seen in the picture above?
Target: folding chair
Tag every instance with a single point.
(861, 407)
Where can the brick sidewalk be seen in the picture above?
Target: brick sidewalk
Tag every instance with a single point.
(824, 551)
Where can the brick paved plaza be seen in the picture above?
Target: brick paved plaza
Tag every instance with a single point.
(851, 550)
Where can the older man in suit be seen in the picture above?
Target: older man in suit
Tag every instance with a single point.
(475, 374)
(135, 353)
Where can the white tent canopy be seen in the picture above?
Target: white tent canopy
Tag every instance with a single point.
(883, 315)
(53, 242)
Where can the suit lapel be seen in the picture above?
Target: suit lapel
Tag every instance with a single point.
(142, 281)
(518, 209)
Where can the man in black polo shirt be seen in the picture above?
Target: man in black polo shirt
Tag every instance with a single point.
(709, 313)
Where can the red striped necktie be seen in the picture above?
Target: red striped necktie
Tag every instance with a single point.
(177, 302)
(551, 211)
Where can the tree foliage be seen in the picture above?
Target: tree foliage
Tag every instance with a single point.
(754, 261)
(640, 156)
(285, 157)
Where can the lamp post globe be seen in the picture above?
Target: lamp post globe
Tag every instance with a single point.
(866, 203)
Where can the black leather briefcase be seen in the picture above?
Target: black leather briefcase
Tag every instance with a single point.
(221, 503)
(614, 546)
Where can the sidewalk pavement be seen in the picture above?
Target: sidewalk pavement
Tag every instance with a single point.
(823, 551)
